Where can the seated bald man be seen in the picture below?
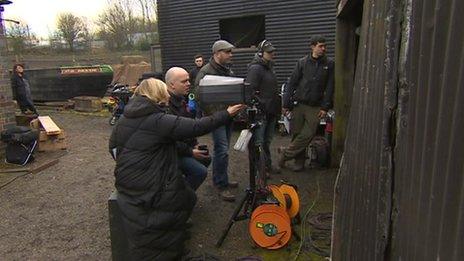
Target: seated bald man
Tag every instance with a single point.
(193, 162)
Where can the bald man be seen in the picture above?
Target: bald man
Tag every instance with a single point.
(193, 162)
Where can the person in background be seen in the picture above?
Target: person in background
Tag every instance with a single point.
(219, 65)
(310, 94)
(263, 81)
(193, 162)
(199, 62)
(22, 90)
(153, 196)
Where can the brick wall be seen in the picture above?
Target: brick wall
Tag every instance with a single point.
(7, 106)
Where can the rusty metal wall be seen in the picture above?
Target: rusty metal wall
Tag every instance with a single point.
(363, 188)
(400, 190)
(429, 159)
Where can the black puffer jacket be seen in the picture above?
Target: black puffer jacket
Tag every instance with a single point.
(153, 196)
(311, 83)
(262, 78)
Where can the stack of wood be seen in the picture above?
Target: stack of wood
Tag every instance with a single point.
(51, 137)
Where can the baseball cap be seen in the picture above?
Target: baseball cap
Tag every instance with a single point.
(222, 45)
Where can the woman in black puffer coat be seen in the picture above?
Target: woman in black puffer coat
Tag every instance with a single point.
(153, 196)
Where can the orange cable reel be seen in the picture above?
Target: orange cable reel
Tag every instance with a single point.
(291, 199)
(270, 224)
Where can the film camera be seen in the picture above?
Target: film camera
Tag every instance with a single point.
(215, 89)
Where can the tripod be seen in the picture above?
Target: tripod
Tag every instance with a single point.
(256, 190)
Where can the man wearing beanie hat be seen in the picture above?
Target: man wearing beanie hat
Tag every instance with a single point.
(219, 65)
(263, 81)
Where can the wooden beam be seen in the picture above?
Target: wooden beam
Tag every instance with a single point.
(49, 125)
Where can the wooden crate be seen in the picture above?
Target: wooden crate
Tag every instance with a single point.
(50, 139)
(51, 142)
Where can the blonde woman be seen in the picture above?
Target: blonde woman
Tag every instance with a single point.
(153, 196)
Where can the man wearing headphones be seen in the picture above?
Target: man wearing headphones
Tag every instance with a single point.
(309, 95)
(262, 79)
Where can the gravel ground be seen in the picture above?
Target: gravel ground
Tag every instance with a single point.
(61, 213)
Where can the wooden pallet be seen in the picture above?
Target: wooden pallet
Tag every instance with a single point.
(49, 125)
(51, 137)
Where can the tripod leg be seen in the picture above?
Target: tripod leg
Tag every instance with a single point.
(232, 219)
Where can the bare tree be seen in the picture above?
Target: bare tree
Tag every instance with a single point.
(122, 19)
(115, 24)
(70, 28)
(148, 10)
(87, 35)
(19, 37)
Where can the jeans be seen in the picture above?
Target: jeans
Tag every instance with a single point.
(263, 136)
(221, 139)
(194, 171)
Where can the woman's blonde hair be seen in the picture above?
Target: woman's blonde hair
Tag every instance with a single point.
(154, 90)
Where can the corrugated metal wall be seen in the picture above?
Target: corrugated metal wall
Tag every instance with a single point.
(364, 184)
(400, 191)
(187, 27)
(429, 160)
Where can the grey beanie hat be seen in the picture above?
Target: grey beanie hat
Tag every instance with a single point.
(222, 45)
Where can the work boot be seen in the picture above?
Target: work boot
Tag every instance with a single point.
(232, 184)
(226, 195)
(298, 165)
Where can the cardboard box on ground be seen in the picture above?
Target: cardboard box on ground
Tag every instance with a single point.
(51, 137)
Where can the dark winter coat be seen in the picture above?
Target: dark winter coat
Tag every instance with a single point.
(178, 106)
(262, 78)
(311, 83)
(193, 75)
(211, 68)
(153, 196)
(21, 89)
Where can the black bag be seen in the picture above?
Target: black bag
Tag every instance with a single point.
(319, 151)
(21, 143)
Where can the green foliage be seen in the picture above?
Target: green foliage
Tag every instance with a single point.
(143, 45)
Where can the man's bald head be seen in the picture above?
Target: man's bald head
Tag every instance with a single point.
(177, 80)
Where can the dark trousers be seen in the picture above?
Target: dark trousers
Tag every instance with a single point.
(303, 128)
(25, 104)
(263, 137)
(194, 171)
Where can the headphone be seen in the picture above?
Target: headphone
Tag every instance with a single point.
(260, 47)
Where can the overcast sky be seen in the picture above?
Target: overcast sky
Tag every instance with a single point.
(41, 15)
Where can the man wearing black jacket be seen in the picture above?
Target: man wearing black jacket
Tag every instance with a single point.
(22, 90)
(309, 95)
(199, 62)
(263, 81)
(219, 65)
(193, 162)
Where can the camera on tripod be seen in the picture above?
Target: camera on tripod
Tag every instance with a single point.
(215, 89)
